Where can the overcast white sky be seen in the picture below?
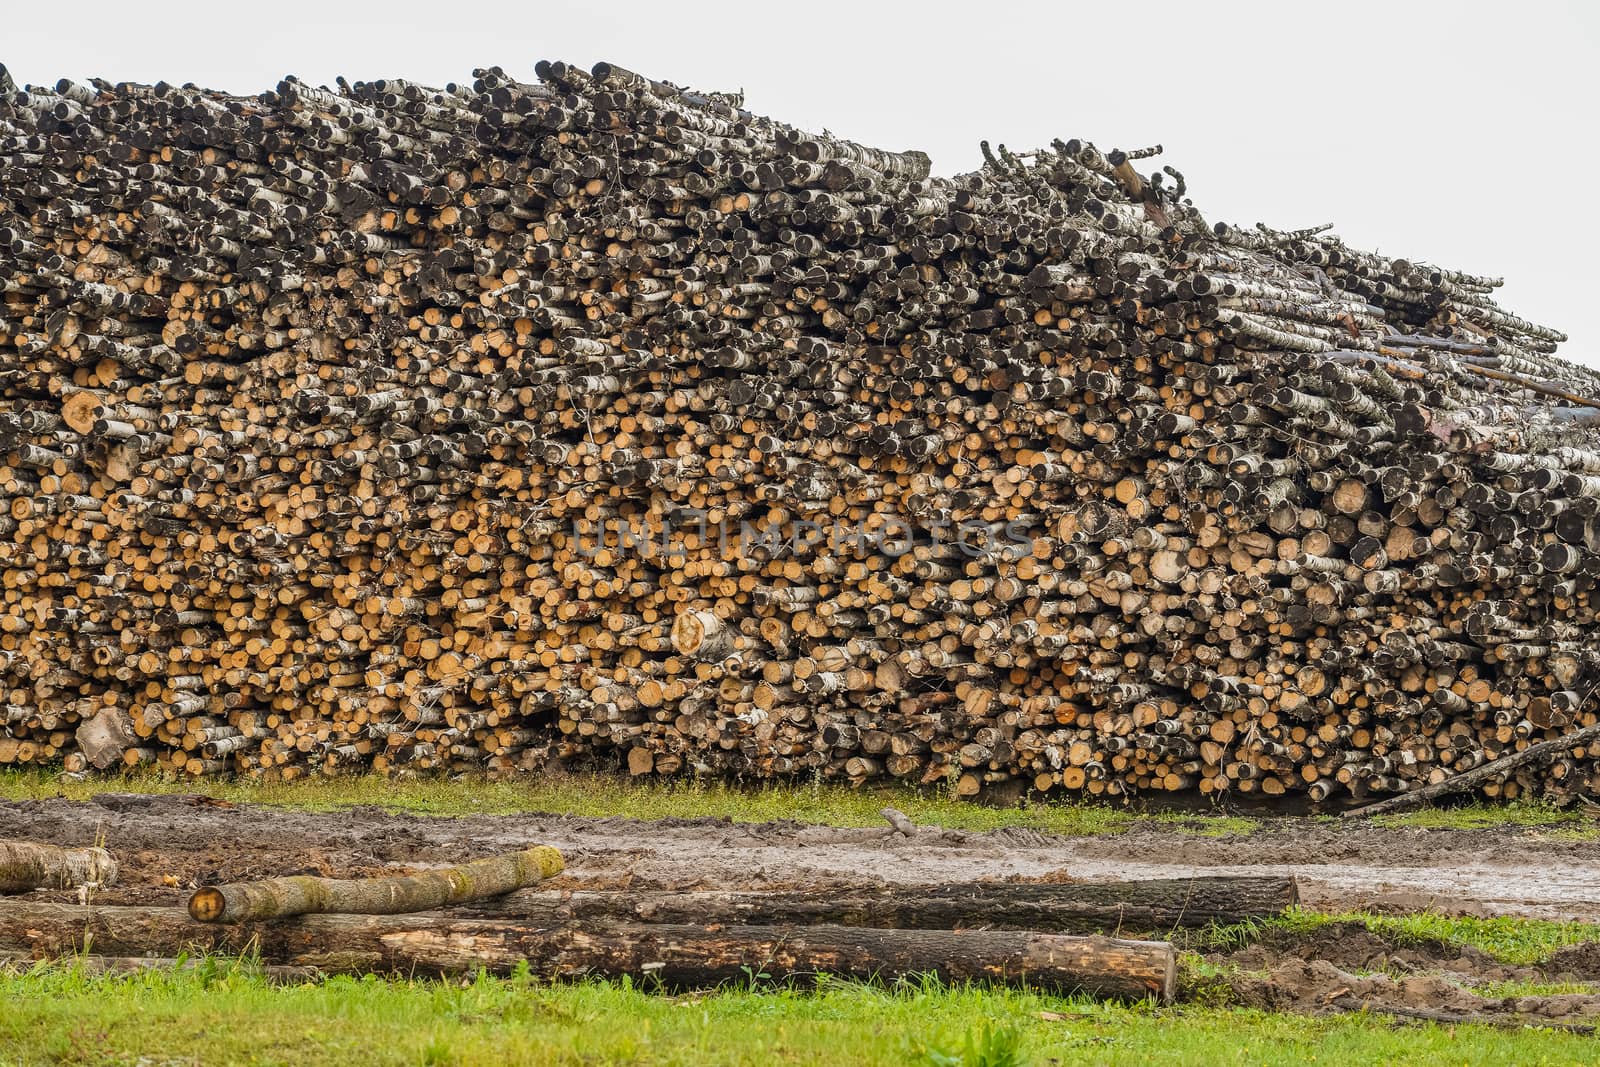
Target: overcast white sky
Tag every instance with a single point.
(1463, 134)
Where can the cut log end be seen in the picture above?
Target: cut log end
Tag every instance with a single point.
(208, 904)
(701, 634)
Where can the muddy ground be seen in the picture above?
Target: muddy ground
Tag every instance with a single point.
(193, 840)
(168, 845)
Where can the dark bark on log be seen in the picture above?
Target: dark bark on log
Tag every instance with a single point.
(277, 898)
(677, 955)
(1145, 907)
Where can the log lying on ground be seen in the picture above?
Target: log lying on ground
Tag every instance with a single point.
(276, 898)
(26, 865)
(1145, 906)
(591, 419)
(676, 954)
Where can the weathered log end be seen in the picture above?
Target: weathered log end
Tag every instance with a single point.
(105, 738)
(1106, 966)
(702, 635)
(80, 411)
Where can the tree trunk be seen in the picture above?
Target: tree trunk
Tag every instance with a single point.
(1144, 907)
(25, 865)
(678, 955)
(277, 898)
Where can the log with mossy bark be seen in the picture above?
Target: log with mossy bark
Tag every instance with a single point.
(277, 898)
(677, 955)
(27, 865)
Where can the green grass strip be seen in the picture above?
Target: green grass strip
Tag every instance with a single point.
(224, 1014)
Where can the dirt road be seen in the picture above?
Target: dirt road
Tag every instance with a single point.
(167, 845)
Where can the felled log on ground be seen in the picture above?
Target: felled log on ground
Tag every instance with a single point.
(1145, 906)
(26, 865)
(276, 898)
(584, 418)
(676, 954)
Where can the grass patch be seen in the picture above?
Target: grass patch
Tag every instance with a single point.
(1584, 832)
(828, 804)
(1206, 983)
(1210, 825)
(1481, 816)
(1513, 988)
(57, 1014)
(1507, 938)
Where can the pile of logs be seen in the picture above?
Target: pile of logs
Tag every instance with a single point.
(594, 419)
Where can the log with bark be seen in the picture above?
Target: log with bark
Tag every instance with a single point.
(277, 898)
(28, 865)
(1147, 907)
(677, 955)
(588, 419)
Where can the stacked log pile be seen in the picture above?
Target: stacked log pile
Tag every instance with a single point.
(484, 426)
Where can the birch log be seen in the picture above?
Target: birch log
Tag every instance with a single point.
(278, 898)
